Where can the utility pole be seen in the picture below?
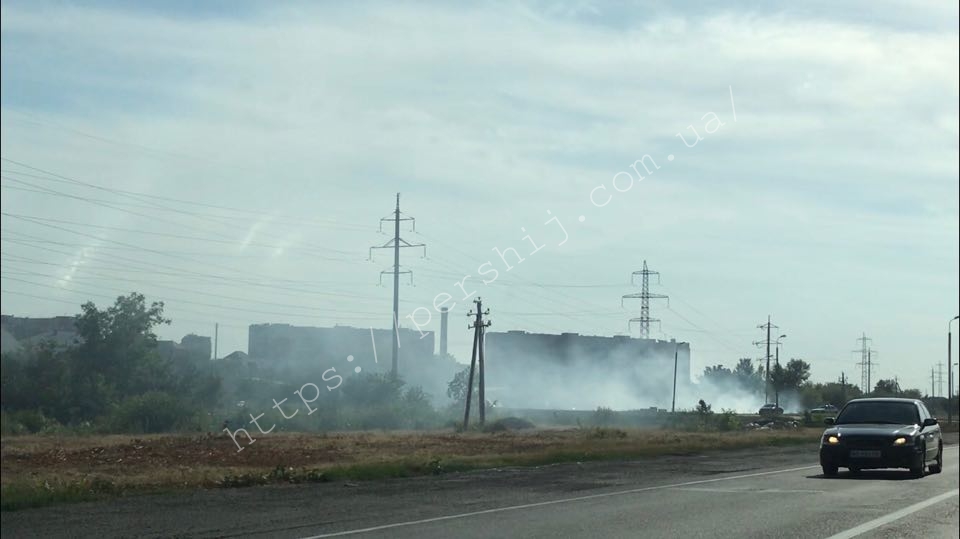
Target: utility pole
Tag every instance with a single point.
(843, 387)
(396, 243)
(644, 296)
(767, 342)
(777, 389)
(676, 353)
(950, 370)
(478, 326)
(933, 392)
(216, 339)
(865, 364)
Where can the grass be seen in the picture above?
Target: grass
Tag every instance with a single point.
(45, 470)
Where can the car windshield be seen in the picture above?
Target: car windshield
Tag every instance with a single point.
(898, 413)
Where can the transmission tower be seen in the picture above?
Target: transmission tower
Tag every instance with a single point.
(644, 296)
(396, 244)
(940, 378)
(866, 363)
(766, 342)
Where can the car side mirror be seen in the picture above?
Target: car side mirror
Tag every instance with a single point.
(829, 421)
(929, 422)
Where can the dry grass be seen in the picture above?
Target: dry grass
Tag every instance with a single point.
(50, 469)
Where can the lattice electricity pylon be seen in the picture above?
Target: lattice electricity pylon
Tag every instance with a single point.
(644, 296)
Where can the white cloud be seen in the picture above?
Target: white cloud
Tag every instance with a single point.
(844, 150)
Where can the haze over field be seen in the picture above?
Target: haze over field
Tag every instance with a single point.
(237, 156)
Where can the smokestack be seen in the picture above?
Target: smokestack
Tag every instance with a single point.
(443, 331)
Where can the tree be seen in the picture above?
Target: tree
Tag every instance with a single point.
(457, 388)
(115, 364)
(718, 375)
(886, 388)
(834, 393)
(791, 376)
(118, 343)
(911, 394)
(748, 377)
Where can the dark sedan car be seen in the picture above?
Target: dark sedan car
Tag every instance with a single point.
(770, 409)
(882, 433)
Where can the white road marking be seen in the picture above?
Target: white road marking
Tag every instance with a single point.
(751, 490)
(564, 500)
(554, 502)
(896, 515)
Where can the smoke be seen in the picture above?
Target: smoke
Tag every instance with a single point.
(585, 377)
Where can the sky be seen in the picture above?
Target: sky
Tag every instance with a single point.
(234, 160)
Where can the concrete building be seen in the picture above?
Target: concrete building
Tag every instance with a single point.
(19, 332)
(293, 349)
(532, 370)
(193, 347)
(303, 344)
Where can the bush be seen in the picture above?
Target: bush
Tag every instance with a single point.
(726, 420)
(27, 421)
(151, 412)
(509, 423)
(603, 416)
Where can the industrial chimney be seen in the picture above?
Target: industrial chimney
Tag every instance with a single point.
(443, 331)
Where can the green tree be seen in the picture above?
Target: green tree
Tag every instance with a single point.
(789, 377)
(718, 375)
(748, 377)
(119, 344)
(886, 388)
(457, 388)
(115, 361)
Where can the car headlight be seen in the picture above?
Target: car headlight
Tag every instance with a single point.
(831, 440)
(900, 441)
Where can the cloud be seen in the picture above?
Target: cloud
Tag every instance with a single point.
(843, 155)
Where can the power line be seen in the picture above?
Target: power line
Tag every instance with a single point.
(223, 241)
(53, 176)
(270, 284)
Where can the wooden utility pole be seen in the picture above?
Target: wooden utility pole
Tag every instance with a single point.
(676, 351)
(478, 326)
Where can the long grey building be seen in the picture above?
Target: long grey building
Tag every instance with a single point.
(533, 370)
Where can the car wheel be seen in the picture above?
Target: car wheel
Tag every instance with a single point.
(829, 471)
(938, 466)
(917, 471)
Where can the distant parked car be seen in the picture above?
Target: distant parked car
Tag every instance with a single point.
(770, 409)
(826, 409)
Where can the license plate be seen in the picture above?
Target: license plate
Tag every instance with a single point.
(864, 454)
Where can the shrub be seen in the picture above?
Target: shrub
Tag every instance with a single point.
(150, 412)
(509, 423)
(726, 420)
(28, 421)
(603, 416)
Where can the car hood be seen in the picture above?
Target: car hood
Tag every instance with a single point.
(872, 429)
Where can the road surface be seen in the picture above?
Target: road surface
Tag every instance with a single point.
(755, 493)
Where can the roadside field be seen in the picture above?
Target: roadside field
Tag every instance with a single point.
(38, 470)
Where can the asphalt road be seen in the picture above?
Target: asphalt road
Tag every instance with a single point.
(756, 493)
